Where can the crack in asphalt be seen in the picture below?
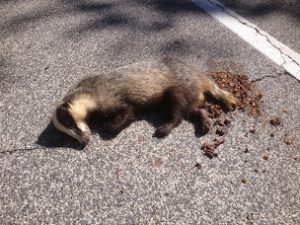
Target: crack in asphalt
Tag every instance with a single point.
(12, 151)
(257, 30)
(267, 76)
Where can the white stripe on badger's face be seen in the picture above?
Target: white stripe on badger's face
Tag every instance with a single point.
(70, 132)
(86, 132)
(83, 126)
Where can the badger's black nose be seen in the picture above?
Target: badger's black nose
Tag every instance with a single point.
(85, 138)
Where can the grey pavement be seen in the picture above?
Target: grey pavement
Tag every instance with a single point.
(48, 46)
(280, 18)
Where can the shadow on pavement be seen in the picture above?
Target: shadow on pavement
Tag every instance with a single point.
(52, 138)
(101, 15)
(98, 16)
(265, 7)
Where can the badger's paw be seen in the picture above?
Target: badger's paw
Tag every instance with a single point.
(162, 131)
(231, 102)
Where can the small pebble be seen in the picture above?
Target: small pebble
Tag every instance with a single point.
(288, 140)
(275, 121)
(266, 157)
(220, 131)
(252, 130)
(198, 166)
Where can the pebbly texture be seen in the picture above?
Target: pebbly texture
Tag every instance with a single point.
(47, 46)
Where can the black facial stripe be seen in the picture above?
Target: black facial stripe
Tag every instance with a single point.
(65, 118)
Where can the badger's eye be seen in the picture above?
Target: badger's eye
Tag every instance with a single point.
(76, 131)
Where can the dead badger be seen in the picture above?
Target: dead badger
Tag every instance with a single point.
(177, 87)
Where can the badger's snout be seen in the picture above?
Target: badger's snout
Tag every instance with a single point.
(85, 133)
(85, 137)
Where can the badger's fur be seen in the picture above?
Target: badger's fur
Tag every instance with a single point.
(178, 87)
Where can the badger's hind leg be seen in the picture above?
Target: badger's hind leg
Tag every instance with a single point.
(200, 118)
(178, 101)
(221, 95)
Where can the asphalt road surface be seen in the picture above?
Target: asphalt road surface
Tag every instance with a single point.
(280, 18)
(48, 46)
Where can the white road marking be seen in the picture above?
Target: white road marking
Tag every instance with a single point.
(279, 53)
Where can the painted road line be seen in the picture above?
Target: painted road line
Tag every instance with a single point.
(279, 53)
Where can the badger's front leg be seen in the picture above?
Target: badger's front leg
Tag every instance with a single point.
(200, 118)
(178, 101)
(120, 120)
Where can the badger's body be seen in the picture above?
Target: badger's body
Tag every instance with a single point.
(178, 86)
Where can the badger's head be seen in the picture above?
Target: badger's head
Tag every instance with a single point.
(67, 120)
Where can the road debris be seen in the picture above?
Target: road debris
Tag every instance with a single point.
(157, 162)
(198, 166)
(248, 100)
(220, 131)
(242, 88)
(244, 180)
(252, 130)
(275, 121)
(266, 157)
(288, 139)
(285, 110)
(209, 148)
